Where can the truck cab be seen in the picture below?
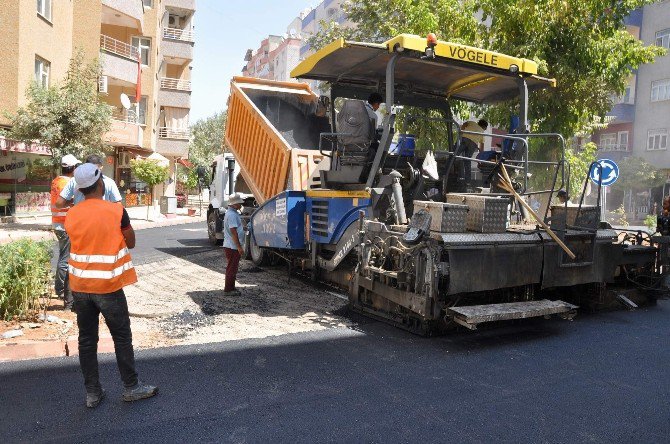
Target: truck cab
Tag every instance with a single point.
(225, 180)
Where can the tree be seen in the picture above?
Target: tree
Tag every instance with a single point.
(207, 139)
(151, 172)
(68, 117)
(579, 161)
(637, 174)
(582, 43)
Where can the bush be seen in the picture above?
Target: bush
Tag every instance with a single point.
(25, 267)
(650, 222)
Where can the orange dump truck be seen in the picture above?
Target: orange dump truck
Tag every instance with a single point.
(273, 132)
(272, 144)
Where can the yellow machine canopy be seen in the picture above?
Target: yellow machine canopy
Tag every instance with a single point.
(456, 71)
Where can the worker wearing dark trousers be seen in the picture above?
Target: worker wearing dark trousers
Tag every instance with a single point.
(233, 236)
(100, 266)
(61, 284)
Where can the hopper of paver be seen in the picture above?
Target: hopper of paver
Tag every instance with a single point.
(273, 131)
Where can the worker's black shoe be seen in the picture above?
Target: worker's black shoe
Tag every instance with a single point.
(93, 399)
(140, 391)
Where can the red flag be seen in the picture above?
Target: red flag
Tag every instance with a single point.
(138, 89)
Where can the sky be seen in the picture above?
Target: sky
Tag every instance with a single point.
(224, 30)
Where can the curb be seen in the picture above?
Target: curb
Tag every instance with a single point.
(21, 351)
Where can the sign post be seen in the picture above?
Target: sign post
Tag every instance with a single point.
(610, 173)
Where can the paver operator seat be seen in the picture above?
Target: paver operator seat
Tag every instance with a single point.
(356, 146)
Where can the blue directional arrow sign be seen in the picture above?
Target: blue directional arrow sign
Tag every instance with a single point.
(610, 172)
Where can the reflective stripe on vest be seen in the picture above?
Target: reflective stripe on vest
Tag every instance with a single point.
(100, 274)
(99, 259)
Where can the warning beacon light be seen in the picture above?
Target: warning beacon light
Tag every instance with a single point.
(431, 43)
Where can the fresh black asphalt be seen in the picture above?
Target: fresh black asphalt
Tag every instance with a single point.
(600, 378)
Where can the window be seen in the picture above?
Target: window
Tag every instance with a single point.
(42, 71)
(622, 144)
(660, 90)
(142, 111)
(608, 142)
(44, 8)
(657, 139)
(148, 3)
(143, 44)
(663, 38)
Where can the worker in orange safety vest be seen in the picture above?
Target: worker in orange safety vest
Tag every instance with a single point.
(100, 266)
(61, 285)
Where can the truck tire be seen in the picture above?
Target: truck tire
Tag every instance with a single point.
(259, 256)
(211, 229)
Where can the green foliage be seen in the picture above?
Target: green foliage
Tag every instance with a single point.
(69, 116)
(25, 267)
(579, 161)
(189, 177)
(149, 171)
(650, 222)
(622, 217)
(637, 174)
(207, 139)
(582, 43)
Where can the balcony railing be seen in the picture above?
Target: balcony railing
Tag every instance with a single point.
(174, 133)
(178, 84)
(615, 147)
(178, 34)
(119, 48)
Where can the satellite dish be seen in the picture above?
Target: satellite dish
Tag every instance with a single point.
(125, 101)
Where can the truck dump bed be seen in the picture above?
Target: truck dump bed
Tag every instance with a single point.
(273, 132)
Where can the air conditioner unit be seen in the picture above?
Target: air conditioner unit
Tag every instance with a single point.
(173, 20)
(124, 159)
(102, 84)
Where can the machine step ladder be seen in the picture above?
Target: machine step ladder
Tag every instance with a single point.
(472, 315)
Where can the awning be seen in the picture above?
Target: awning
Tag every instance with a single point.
(457, 71)
(162, 160)
(185, 162)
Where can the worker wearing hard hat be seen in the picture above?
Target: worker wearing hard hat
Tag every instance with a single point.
(233, 236)
(61, 285)
(100, 266)
(71, 194)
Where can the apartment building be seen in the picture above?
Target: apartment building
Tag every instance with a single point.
(145, 48)
(276, 56)
(640, 118)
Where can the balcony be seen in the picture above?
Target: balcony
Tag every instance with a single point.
(124, 13)
(124, 133)
(175, 93)
(185, 35)
(173, 141)
(177, 44)
(118, 59)
(180, 4)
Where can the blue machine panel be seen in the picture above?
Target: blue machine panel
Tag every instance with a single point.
(280, 221)
(331, 213)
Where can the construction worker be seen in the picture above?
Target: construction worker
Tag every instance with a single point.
(68, 164)
(100, 266)
(71, 195)
(233, 236)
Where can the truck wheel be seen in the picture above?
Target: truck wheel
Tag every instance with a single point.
(259, 256)
(211, 229)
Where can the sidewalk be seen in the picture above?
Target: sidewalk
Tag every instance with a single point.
(38, 227)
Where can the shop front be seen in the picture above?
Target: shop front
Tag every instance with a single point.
(26, 172)
(134, 192)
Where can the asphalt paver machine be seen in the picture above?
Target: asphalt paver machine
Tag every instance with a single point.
(461, 246)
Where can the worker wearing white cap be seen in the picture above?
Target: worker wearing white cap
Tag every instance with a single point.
(71, 195)
(100, 266)
(233, 236)
(61, 286)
